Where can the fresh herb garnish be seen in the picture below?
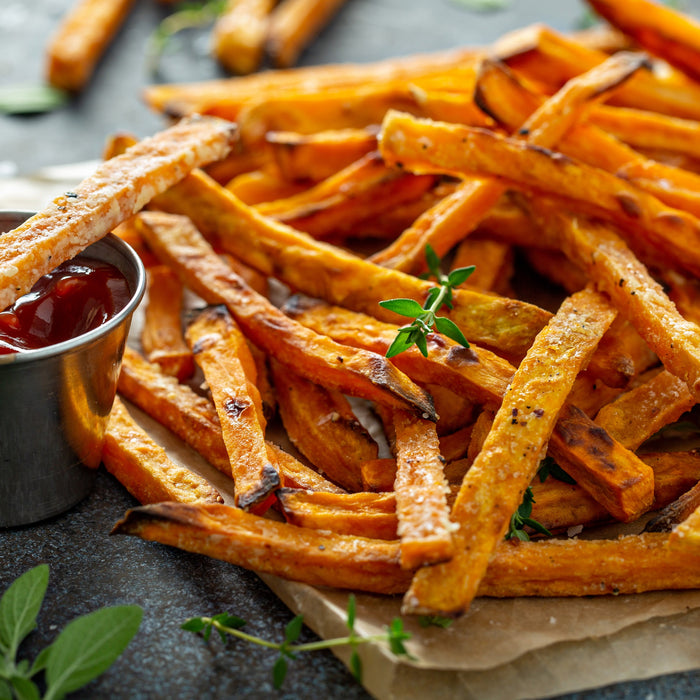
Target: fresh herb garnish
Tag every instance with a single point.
(425, 316)
(230, 625)
(548, 467)
(30, 99)
(87, 646)
(521, 518)
(435, 621)
(190, 15)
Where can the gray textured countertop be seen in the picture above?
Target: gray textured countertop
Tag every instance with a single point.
(88, 567)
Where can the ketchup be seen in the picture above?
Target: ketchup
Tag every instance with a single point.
(78, 296)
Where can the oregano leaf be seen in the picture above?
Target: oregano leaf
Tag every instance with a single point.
(88, 646)
(293, 629)
(460, 275)
(352, 607)
(356, 666)
(20, 605)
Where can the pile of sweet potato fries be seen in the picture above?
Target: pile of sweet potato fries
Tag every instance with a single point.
(576, 157)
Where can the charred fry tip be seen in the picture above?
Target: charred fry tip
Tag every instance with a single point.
(136, 518)
(269, 482)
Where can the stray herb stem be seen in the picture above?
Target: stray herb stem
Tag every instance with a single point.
(229, 625)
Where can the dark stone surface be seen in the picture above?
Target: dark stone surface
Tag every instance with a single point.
(89, 568)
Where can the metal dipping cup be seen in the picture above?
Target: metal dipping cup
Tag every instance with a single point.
(55, 403)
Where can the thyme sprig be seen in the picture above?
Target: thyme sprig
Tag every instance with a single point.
(425, 317)
(521, 518)
(190, 15)
(230, 626)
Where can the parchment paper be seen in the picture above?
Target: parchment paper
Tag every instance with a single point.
(520, 648)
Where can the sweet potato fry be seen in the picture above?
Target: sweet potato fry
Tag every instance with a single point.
(220, 349)
(636, 415)
(458, 150)
(456, 216)
(659, 29)
(495, 264)
(144, 468)
(510, 103)
(239, 34)
(688, 532)
(572, 567)
(649, 130)
(294, 24)
(360, 514)
(227, 97)
(115, 191)
(316, 157)
(614, 269)
(81, 39)
(321, 425)
(328, 272)
(161, 336)
(564, 567)
(543, 55)
(676, 512)
(378, 475)
(267, 546)
(194, 420)
(494, 485)
(420, 487)
(612, 474)
(317, 358)
(259, 186)
(335, 206)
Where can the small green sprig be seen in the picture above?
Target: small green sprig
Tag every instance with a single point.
(190, 15)
(548, 467)
(425, 317)
(521, 518)
(84, 649)
(229, 625)
(31, 99)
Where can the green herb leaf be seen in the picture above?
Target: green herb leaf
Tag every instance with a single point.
(88, 646)
(403, 307)
(521, 518)
(356, 666)
(460, 275)
(548, 467)
(5, 690)
(279, 672)
(352, 609)
(432, 260)
(25, 689)
(435, 621)
(293, 629)
(401, 342)
(451, 330)
(30, 99)
(194, 624)
(20, 606)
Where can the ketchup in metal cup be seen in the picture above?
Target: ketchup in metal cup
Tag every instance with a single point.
(76, 297)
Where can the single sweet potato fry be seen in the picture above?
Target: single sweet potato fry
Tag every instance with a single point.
(494, 485)
(220, 349)
(661, 30)
(81, 39)
(294, 24)
(677, 512)
(630, 564)
(639, 413)
(239, 34)
(420, 488)
(161, 336)
(116, 190)
(315, 157)
(144, 468)
(315, 357)
(321, 425)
